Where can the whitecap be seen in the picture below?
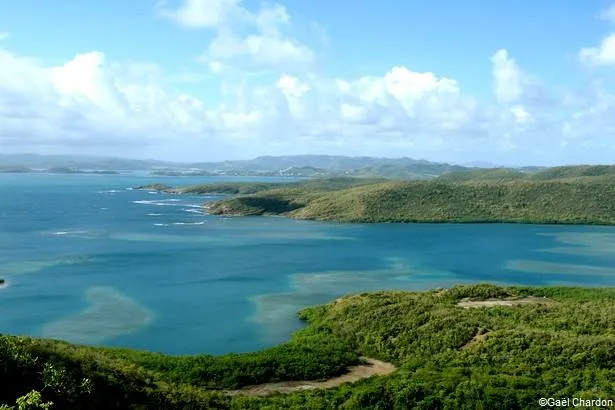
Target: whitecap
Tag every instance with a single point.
(160, 224)
(62, 233)
(193, 211)
(151, 214)
(189, 223)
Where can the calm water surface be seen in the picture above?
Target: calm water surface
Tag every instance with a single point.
(88, 260)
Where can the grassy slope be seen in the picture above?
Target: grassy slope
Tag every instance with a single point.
(562, 349)
(589, 200)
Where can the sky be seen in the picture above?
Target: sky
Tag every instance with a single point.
(511, 82)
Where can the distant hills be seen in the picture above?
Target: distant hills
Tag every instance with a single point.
(296, 165)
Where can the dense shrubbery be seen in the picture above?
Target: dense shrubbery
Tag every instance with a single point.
(449, 358)
(307, 356)
(75, 376)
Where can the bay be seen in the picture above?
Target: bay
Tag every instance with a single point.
(88, 259)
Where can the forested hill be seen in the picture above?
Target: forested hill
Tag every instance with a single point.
(539, 199)
(510, 174)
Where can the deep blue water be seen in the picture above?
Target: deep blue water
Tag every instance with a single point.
(86, 259)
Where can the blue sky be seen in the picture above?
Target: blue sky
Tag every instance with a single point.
(218, 79)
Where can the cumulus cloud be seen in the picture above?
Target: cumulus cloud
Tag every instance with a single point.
(242, 35)
(602, 54)
(507, 77)
(92, 103)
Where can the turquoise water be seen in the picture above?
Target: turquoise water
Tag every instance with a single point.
(90, 261)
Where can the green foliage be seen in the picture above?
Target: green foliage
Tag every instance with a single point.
(31, 401)
(582, 201)
(76, 377)
(483, 174)
(480, 291)
(575, 172)
(448, 357)
(308, 355)
(508, 174)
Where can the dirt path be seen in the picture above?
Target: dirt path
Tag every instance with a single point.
(356, 373)
(502, 302)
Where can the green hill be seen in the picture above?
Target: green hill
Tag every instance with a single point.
(575, 172)
(590, 201)
(553, 342)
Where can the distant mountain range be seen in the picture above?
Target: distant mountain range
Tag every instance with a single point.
(296, 165)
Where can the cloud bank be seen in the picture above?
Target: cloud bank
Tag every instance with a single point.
(92, 105)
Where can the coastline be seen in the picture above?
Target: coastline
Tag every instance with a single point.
(207, 207)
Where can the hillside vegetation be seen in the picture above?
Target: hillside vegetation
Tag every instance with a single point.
(588, 200)
(510, 174)
(502, 357)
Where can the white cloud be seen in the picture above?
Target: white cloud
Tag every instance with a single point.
(3, 35)
(603, 54)
(90, 103)
(507, 77)
(200, 13)
(243, 35)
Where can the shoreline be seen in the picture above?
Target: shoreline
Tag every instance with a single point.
(208, 206)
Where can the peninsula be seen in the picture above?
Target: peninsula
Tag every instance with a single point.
(562, 195)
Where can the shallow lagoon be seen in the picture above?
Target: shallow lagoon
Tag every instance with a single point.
(88, 260)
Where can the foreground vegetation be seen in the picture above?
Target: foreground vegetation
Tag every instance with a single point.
(448, 357)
